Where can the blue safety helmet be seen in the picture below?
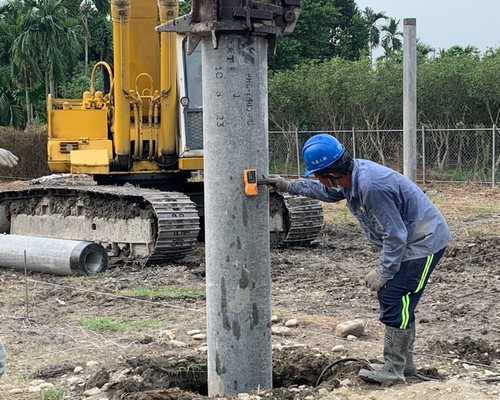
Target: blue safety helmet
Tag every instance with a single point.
(320, 151)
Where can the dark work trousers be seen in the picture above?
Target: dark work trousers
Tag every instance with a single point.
(399, 296)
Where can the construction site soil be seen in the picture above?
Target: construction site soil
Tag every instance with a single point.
(120, 335)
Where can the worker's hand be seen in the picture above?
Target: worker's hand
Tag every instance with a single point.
(277, 182)
(374, 281)
(7, 159)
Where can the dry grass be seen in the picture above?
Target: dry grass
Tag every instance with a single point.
(337, 213)
(31, 148)
(479, 204)
(476, 205)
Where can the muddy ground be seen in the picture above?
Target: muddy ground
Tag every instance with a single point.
(152, 347)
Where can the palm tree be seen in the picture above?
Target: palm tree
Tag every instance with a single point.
(372, 18)
(457, 51)
(103, 6)
(85, 9)
(11, 112)
(391, 41)
(51, 32)
(424, 49)
(21, 67)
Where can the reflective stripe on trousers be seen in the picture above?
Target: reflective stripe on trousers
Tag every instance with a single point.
(400, 296)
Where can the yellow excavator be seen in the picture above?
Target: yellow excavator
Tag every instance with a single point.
(141, 140)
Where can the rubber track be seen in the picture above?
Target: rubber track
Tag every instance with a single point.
(177, 220)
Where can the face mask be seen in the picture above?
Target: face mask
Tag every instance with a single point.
(338, 188)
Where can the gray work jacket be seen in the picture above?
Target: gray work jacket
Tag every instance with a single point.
(396, 216)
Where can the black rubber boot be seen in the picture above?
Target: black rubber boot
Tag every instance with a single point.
(410, 368)
(396, 345)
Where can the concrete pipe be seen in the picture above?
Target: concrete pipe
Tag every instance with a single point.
(53, 256)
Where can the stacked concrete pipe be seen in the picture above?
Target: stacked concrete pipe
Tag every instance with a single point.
(53, 256)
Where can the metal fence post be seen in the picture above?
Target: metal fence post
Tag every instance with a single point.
(423, 154)
(298, 152)
(493, 158)
(353, 142)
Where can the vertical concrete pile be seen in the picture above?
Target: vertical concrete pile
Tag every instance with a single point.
(236, 36)
(410, 98)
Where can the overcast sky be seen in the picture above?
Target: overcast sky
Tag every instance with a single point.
(442, 24)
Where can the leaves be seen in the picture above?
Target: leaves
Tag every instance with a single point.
(325, 29)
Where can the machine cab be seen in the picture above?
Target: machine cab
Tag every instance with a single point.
(191, 106)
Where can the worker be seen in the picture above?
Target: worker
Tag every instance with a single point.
(7, 159)
(399, 219)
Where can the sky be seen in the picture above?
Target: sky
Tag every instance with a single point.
(442, 24)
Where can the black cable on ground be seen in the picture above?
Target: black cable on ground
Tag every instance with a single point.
(336, 362)
(492, 379)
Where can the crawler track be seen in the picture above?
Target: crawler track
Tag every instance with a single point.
(145, 225)
(295, 220)
(139, 224)
(305, 219)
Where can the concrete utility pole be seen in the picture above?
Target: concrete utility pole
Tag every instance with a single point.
(410, 98)
(236, 36)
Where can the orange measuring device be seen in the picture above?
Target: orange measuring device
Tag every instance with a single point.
(250, 178)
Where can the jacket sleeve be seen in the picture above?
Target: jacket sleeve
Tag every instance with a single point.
(314, 189)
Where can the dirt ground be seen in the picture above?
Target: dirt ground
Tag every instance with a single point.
(157, 348)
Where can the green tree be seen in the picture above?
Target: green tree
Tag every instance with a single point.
(288, 91)
(311, 38)
(392, 37)
(372, 18)
(19, 70)
(86, 9)
(424, 50)
(442, 90)
(290, 107)
(458, 51)
(101, 48)
(483, 85)
(11, 111)
(51, 31)
(184, 7)
(325, 29)
(350, 37)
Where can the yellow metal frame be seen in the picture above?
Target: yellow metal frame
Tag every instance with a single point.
(141, 110)
(191, 164)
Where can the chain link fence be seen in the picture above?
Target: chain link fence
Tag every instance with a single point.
(443, 155)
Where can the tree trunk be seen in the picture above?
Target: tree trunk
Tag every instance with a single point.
(52, 88)
(29, 112)
(86, 53)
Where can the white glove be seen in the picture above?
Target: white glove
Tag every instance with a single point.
(7, 159)
(374, 281)
(279, 183)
